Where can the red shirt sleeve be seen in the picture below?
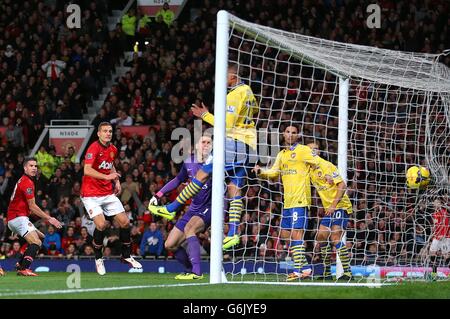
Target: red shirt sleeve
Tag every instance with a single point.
(28, 189)
(91, 153)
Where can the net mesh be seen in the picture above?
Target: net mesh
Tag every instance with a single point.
(398, 116)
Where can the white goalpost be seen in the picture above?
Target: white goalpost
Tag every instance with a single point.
(373, 112)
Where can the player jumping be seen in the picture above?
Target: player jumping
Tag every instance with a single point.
(99, 189)
(196, 219)
(22, 204)
(240, 142)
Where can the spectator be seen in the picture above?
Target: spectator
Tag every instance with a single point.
(52, 240)
(53, 67)
(167, 15)
(152, 243)
(128, 188)
(129, 25)
(68, 239)
(123, 119)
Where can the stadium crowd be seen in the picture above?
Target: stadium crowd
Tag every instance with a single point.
(49, 72)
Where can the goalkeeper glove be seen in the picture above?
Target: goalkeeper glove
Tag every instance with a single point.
(154, 200)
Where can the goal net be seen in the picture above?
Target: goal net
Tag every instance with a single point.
(374, 113)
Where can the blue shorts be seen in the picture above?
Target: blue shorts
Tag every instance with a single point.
(339, 217)
(205, 214)
(236, 161)
(294, 218)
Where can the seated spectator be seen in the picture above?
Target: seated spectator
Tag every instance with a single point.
(52, 240)
(123, 119)
(152, 242)
(15, 251)
(71, 251)
(68, 239)
(88, 251)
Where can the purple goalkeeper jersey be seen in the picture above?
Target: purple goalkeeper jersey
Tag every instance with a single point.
(202, 200)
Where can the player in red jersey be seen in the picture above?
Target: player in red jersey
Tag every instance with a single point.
(21, 205)
(99, 188)
(440, 236)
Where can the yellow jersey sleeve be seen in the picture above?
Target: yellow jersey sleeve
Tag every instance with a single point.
(275, 170)
(307, 155)
(241, 109)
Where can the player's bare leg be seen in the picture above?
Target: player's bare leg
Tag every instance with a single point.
(323, 238)
(99, 235)
(34, 244)
(341, 249)
(192, 228)
(2, 272)
(234, 216)
(125, 238)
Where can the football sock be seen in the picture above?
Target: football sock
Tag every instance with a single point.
(343, 256)
(183, 258)
(193, 250)
(192, 189)
(325, 252)
(29, 255)
(298, 254)
(125, 238)
(234, 215)
(98, 243)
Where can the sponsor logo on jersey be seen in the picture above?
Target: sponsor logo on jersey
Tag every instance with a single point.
(105, 165)
(29, 191)
(89, 156)
(231, 108)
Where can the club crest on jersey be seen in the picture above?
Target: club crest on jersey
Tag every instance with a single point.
(105, 165)
(111, 155)
(293, 155)
(29, 191)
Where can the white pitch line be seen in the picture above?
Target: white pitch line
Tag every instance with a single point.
(323, 284)
(72, 291)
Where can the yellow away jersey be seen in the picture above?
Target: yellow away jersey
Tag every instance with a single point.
(241, 109)
(327, 192)
(293, 164)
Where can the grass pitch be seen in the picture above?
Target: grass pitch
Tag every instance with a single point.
(164, 286)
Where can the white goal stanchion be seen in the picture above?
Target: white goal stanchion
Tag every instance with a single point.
(373, 112)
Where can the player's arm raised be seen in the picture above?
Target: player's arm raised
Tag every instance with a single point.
(89, 171)
(34, 208)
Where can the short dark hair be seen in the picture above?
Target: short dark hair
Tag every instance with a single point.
(103, 124)
(28, 159)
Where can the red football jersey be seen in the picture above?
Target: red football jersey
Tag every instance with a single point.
(23, 191)
(441, 223)
(102, 159)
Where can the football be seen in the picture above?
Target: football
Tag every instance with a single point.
(417, 177)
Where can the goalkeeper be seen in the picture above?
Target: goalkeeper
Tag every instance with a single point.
(293, 164)
(331, 188)
(241, 141)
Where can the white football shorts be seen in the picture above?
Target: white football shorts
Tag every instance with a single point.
(109, 205)
(21, 225)
(442, 245)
